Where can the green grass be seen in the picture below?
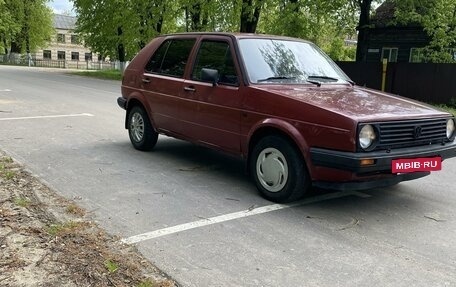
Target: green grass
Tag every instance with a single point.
(146, 283)
(102, 74)
(22, 201)
(5, 173)
(56, 229)
(6, 160)
(111, 266)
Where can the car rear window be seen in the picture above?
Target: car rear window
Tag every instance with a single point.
(171, 57)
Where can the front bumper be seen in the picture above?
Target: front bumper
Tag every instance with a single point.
(371, 183)
(122, 102)
(350, 161)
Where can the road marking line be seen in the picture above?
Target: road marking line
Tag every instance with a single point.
(5, 90)
(232, 216)
(47, 117)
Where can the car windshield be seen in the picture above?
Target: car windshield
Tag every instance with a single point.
(286, 61)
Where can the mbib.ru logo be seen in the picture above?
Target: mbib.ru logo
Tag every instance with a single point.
(416, 164)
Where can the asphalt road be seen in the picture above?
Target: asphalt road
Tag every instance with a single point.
(195, 214)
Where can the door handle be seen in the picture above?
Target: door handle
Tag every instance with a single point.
(189, 89)
(145, 80)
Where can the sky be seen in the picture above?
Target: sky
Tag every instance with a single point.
(61, 6)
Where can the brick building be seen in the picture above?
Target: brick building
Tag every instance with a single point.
(65, 45)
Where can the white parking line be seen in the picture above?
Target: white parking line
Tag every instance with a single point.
(234, 215)
(5, 90)
(47, 117)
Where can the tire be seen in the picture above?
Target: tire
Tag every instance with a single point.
(278, 170)
(142, 135)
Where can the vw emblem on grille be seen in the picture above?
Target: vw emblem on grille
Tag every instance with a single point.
(417, 132)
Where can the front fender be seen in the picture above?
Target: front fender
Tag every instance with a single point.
(279, 126)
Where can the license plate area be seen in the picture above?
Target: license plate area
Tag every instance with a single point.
(416, 164)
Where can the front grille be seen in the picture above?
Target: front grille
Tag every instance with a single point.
(411, 133)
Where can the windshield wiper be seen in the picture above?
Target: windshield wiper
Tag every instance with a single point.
(276, 78)
(323, 77)
(314, 82)
(328, 78)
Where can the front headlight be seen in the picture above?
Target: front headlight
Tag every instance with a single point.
(366, 136)
(450, 128)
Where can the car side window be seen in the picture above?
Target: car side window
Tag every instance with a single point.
(171, 57)
(216, 55)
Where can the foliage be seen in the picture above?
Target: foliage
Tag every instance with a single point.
(338, 51)
(448, 108)
(110, 26)
(438, 17)
(24, 25)
(9, 26)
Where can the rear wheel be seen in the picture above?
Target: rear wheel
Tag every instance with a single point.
(142, 135)
(278, 170)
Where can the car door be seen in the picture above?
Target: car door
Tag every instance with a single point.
(215, 118)
(163, 80)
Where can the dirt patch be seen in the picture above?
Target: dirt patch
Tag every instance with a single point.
(46, 240)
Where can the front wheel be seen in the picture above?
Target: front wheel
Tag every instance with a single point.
(278, 170)
(142, 135)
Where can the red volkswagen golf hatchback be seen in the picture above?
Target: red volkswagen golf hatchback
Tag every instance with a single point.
(285, 107)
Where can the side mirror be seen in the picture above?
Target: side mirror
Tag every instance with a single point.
(210, 76)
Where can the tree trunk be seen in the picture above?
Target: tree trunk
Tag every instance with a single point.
(363, 30)
(195, 16)
(5, 46)
(16, 47)
(121, 49)
(249, 20)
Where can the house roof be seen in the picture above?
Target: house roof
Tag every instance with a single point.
(384, 13)
(385, 16)
(64, 22)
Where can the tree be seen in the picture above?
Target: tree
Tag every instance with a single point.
(25, 25)
(8, 26)
(151, 18)
(438, 18)
(121, 27)
(327, 23)
(250, 15)
(118, 28)
(363, 28)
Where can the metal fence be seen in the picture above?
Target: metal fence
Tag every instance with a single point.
(432, 83)
(62, 64)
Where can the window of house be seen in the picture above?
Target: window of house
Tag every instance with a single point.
(47, 55)
(74, 56)
(171, 57)
(88, 56)
(390, 54)
(61, 55)
(216, 55)
(74, 39)
(60, 38)
(416, 55)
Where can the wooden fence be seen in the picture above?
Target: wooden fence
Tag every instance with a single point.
(432, 83)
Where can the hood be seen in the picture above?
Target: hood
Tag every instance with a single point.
(358, 103)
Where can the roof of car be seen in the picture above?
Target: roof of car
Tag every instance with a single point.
(237, 35)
